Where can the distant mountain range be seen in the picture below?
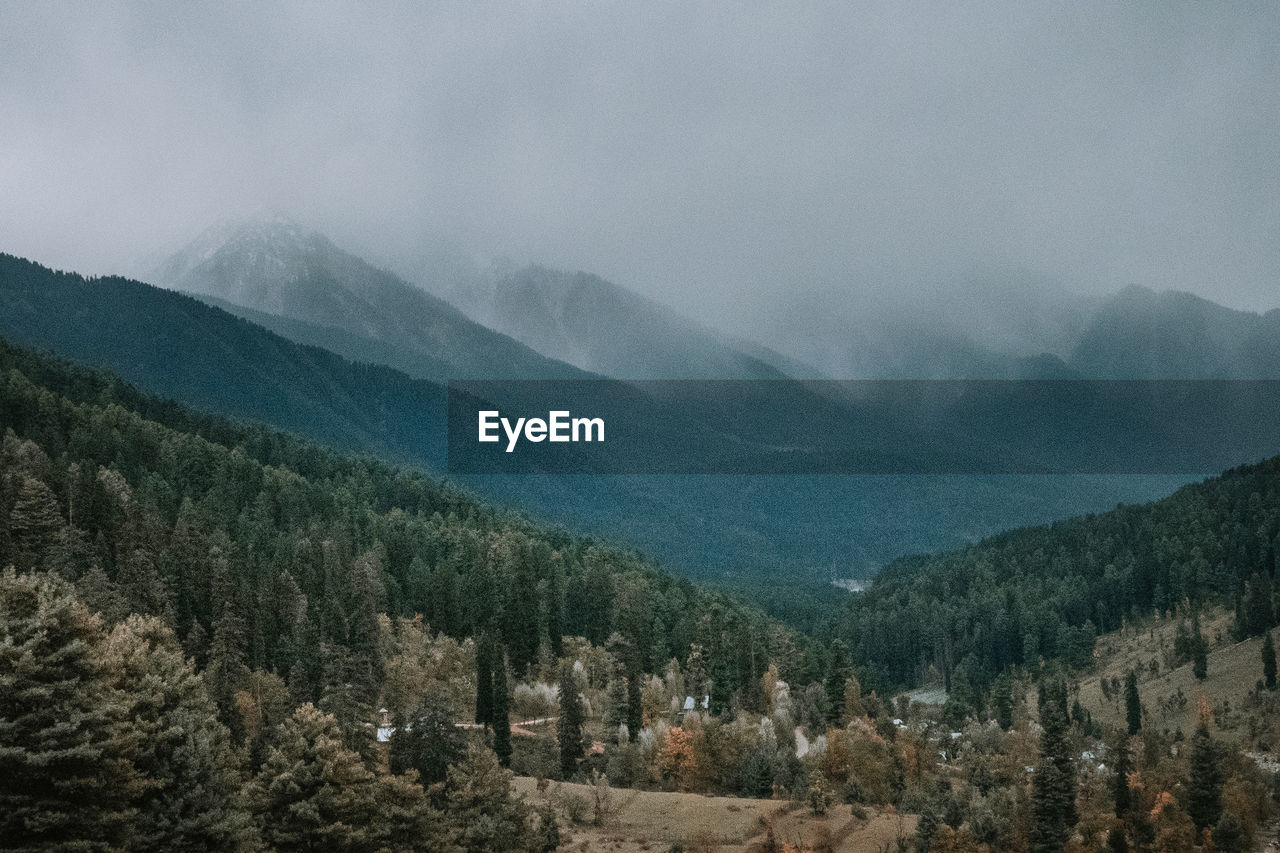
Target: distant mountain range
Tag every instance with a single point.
(265, 364)
(599, 326)
(1142, 333)
(334, 299)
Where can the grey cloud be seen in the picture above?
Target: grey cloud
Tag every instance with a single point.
(716, 156)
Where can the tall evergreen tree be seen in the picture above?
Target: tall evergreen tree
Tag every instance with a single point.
(227, 668)
(616, 709)
(484, 680)
(569, 726)
(635, 706)
(427, 742)
(501, 710)
(346, 697)
(1053, 786)
(1257, 607)
(1199, 651)
(144, 589)
(1268, 661)
(67, 777)
(1121, 767)
(1204, 787)
(1132, 703)
(1002, 700)
(34, 522)
(520, 609)
(555, 605)
(837, 672)
(193, 802)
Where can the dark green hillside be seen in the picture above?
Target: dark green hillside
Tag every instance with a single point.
(227, 529)
(179, 347)
(1046, 592)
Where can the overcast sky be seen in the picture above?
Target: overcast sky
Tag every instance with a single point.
(711, 155)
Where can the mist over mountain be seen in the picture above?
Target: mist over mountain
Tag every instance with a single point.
(992, 324)
(600, 326)
(1140, 333)
(277, 267)
(1020, 326)
(738, 527)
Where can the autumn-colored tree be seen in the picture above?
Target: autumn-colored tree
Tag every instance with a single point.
(675, 760)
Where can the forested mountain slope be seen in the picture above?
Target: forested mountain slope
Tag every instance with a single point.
(1046, 592)
(179, 347)
(266, 552)
(734, 528)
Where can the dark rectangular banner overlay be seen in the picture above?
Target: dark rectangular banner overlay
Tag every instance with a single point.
(860, 427)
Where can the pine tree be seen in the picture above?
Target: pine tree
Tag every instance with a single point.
(1121, 766)
(501, 710)
(34, 521)
(1199, 651)
(365, 638)
(837, 672)
(721, 684)
(520, 609)
(348, 699)
(616, 710)
(182, 748)
(1204, 787)
(1229, 835)
(1002, 701)
(67, 778)
(695, 677)
(479, 804)
(1258, 608)
(1132, 703)
(404, 819)
(555, 605)
(427, 742)
(143, 588)
(313, 793)
(227, 670)
(760, 776)
(1268, 661)
(484, 680)
(569, 726)
(548, 830)
(635, 706)
(1053, 786)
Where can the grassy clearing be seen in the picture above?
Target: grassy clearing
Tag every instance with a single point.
(654, 820)
(1233, 671)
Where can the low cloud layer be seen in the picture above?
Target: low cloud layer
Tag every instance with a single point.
(715, 156)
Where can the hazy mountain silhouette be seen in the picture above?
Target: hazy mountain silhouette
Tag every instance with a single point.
(279, 268)
(1140, 333)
